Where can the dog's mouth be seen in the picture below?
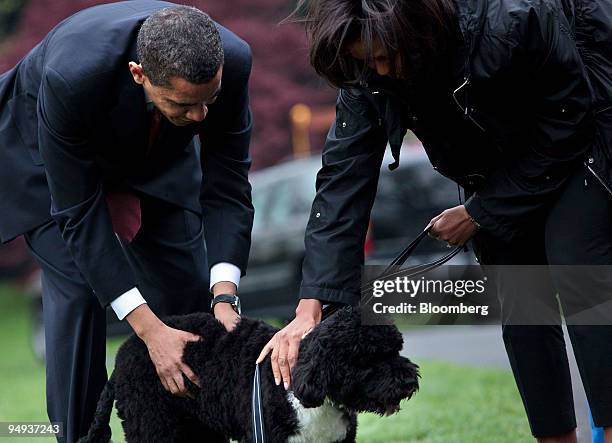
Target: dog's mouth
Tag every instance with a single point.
(392, 409)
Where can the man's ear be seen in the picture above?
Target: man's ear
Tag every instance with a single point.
(137, 72)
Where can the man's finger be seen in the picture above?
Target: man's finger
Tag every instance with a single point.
(180, 384)
(190, 375)
(163, 382)
(194, 337)
(174, 389)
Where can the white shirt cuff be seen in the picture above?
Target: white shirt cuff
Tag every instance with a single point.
(224, 271)
(127, 302)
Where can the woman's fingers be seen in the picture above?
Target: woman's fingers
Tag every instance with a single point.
(265, 351)
(292, 353)
(275, 366)
(283, 362)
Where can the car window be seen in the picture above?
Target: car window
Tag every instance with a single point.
(261, 200)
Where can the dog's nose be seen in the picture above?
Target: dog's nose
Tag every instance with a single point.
(392, 410)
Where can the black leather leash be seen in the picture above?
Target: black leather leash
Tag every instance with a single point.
(390, 271)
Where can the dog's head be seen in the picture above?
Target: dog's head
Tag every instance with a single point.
(354, 365)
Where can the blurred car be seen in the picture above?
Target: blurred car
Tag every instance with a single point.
(407, 199)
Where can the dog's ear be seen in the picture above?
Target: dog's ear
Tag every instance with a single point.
(308, 378)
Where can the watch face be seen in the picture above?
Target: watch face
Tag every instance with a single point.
(238, 306)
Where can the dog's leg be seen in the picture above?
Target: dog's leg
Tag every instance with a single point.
(195, 432)
(351, 435)
(148, 422)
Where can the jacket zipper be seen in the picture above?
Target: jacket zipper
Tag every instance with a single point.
(466, 106)
(597, 176)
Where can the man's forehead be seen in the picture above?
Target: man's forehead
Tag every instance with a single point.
(184, 91)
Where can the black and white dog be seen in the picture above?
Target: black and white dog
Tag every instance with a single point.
(343, 368)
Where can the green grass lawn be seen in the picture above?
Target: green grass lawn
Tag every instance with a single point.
(455, 404)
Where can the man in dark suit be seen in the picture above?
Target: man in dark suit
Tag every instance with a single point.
(99, 168)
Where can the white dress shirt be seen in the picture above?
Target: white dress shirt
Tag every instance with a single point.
(130, 300)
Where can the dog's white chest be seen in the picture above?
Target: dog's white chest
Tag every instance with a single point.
(325, 424)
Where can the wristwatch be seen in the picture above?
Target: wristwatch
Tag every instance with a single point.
(232, 299)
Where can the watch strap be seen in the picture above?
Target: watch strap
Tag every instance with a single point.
(232, 299)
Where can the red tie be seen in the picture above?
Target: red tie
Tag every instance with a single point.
(156, 119)
(124, 207)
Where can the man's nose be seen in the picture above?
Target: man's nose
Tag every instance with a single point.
(382, 67)
(198, 113)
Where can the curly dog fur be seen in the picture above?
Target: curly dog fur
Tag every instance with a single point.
(343, 368)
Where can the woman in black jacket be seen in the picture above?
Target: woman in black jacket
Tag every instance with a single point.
(499, 95)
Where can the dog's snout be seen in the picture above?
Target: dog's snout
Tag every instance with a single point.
(392, 410)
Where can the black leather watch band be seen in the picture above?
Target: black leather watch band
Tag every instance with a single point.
(226, 298)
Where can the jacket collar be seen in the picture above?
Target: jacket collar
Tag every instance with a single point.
(472, 15)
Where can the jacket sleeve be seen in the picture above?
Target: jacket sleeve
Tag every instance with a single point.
(346, 187)
(78, 204)
(561, 131)
(226, 192)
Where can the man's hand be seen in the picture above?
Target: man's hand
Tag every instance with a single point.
(286, 342)
(224, 312)
(454, 226)
(165, 347)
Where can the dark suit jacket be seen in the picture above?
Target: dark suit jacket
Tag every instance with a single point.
(74, 124)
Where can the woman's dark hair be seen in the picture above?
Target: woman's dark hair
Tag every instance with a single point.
(416, 30)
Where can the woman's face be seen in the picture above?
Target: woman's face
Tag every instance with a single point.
(379, 61)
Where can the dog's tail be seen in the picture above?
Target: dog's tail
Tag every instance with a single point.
(100, 431)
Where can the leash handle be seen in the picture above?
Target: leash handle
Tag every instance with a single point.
(259, 434)
(407, 252)
(400, 259)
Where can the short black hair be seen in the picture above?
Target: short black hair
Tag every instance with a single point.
(419, 31)
(180, 41)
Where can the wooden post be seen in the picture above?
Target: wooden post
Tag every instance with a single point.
(301, 118)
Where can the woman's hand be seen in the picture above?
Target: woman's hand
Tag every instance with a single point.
(454, 226)
(286, 343)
